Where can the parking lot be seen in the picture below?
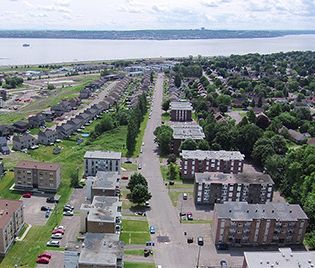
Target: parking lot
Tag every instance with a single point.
(32, 210)
(57, 260)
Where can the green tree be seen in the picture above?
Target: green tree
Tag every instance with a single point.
(74, 178)
(166, 105)
(203, 145)
(50, 86)
(189, 144)
(173, 172)
(163, 136)
(247, 136)
(275, 166)
(136, 179)
(140, 194)
(177, 81)
(171, 158)
(262, 149)
(251, 116)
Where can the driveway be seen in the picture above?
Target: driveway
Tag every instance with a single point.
(57, 260)
(172, 249)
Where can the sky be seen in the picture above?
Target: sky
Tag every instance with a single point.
(162, 14)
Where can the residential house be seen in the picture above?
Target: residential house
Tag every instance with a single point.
(20, 126)
(21, 142)
(84, 118)
(4, 149)
(85, 93)
(2, 169)
(42, 176)
(47, 137)
(283, 258)
(102, 216)
(197, 161)
(36, 121)
(3, 94)
(48, 115)
(240, 223)
(65, 131)
(11, 223)
(76, 122)
(102, 251)
(6, 130)
(101, 161)
(212, 187)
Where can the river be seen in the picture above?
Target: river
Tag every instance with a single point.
(43, 51)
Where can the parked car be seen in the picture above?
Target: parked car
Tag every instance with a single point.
(150, 244)
(47, 214)
(50, 199)
(139, 166)
(58, 231)
(189, 216)
(27, 195)
(53, 243)
(45, 255)
(44, 208)
(60, 227)
(223, 264)
(43, 260)
(200, 241)
(128, 161)
(147, 204)
(171, 183)
(152, 229)
(69, 206)
(185, 196)
(222, 246)
(124, 178)
(68, 213)
(190, 240)
(65, 209)
(57, 236)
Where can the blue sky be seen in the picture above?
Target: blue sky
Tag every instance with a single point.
(162, 14)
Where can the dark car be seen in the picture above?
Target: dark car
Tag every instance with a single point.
(150, 244)
(44, 208)
(200, 241)
(190, 240)
(223, 264)
(222, 247)
(50, 199)
(47, 213)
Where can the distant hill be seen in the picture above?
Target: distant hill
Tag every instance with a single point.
(150, 34)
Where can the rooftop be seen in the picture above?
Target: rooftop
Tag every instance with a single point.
(38, 165)
(187, 130)
(102, 155)
(222, 155)
(180, 105)
(101, 249)
(7, 209)
(106, 180)
(242, 211)
(103, 209)
(284, 258)
(242, 178)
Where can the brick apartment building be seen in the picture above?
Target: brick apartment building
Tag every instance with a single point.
(213, 188)
(102, 216)
(40, 176)
(11, 222)
(181, 111)
(240, 223)
(101, 161)
(198, 161)
(183, 131)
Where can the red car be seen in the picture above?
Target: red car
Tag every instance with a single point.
(58, 231)
(27, 195)
(45, 255)
(43, 260)
(124, 178)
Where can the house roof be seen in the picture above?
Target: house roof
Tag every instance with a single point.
(38, 165)
(102, 155)
(219, 155)
(187, 130)
(22, 137)
(181, 105)
(7, 209)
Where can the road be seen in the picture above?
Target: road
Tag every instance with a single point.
(175, 253)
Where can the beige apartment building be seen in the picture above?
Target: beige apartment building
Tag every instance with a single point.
(40, 176)
(240, 223)
(11, 222)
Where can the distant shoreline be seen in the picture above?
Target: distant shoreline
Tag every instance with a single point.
(150, 35)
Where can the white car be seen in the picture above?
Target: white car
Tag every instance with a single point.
(68, 213)
(53, 243)
(57, 236)
(60, 227)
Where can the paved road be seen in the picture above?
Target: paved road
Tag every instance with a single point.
(163, 216)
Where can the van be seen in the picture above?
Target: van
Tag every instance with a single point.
(159, 266)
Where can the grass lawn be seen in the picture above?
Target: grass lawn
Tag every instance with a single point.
(197, 222)
(164, 172)
(175, 195)
(138, 265)
(6, 183)
(137, 252)
(10, 118)
(166, 117)
(129, 166)
(135, 232)
(139, 138)
(34, 131)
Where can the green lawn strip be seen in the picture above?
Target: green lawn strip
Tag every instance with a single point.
(10, 118)
(137, 252)
(135, 226)
(139, 138)
(129, 166)
(175, 195)
(5, 183)
(135, 231)
(164, 172)
(21, 232)
(197, 221)
(138, 265)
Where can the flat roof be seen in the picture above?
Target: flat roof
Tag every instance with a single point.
(180, 105)
(187, 130)
(38, 165)
(101, 249)
(220, 155)
(103, 209)
(240, 178)
(105, 179)
(102, 155)
(242, 211)
(284, 258)
(7, 209)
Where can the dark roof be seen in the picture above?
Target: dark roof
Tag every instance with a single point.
(20, 124)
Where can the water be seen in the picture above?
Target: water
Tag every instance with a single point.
(42, 51)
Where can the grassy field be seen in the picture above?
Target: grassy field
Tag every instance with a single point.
(129, 166)
(6, 183)
(138, 265)
(135, 232)
(137, 252)
(164, 172)
(139, 138)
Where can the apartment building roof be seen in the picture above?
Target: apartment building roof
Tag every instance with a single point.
(219, 155)
(284, 258)
(7, 209)
(38, 165)
(180, 105)
(240, 178)
(242, 211)
(101, 249)
(187, 130)
(106, 180)
(102, 155)
(103, 209)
